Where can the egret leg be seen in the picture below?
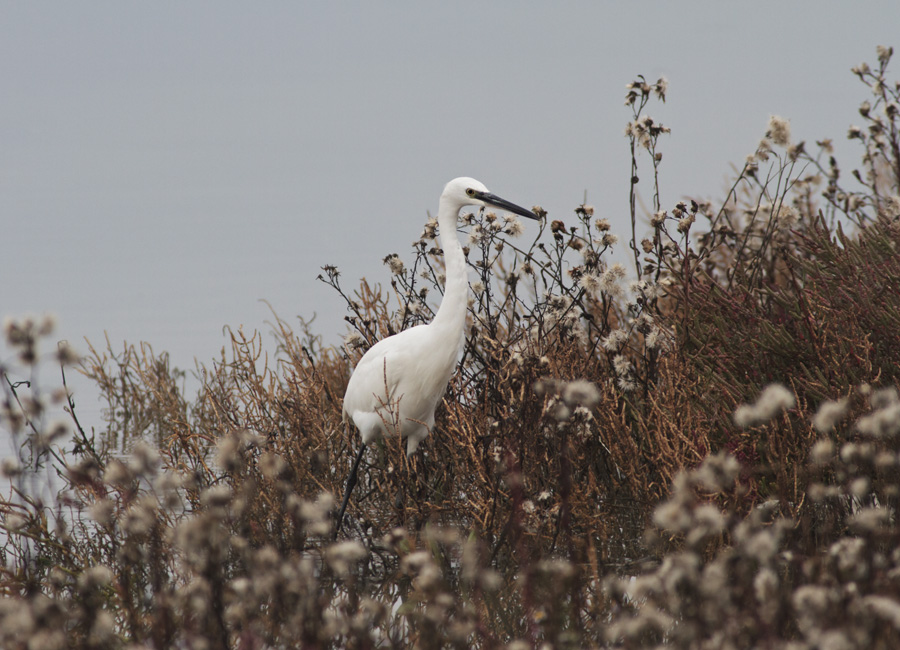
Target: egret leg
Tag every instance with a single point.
(351, 481)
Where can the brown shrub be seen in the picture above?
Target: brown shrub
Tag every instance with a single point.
(610, 466)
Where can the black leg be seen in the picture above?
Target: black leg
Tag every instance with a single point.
(351, 481)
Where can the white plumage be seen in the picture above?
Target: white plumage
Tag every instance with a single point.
(399, 382)
(397, 385)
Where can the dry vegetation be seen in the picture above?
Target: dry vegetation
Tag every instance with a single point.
(707, 457)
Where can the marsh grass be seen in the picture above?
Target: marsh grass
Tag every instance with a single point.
(703, 457)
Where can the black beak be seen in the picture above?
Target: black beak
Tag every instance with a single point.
(503, 204)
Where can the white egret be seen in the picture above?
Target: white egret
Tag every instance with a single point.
(399, 382)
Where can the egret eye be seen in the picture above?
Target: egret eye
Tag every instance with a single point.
(470, 192)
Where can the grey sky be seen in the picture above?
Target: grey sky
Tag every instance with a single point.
(164, 166)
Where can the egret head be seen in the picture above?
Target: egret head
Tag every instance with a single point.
(467, 191)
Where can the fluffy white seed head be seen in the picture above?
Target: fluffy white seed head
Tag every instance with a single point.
(774, 399)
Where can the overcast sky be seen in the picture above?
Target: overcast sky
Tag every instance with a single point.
(165, 166)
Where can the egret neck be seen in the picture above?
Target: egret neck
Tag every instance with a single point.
(451, 315)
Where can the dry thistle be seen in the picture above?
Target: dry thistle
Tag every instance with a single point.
(779, 131)
(774, 399)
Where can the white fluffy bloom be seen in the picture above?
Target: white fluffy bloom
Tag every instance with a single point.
(609, 281)
(590, 283)
(774, 399)
(581, 392)
(885, 608)
(342, 555)
(829, 414)
(626, 384)
(354, 340)
(621, 364)
(883, 422)
(613, 342)
(395, 263)
(514, 227)
(822, 452)
(430, 231)
(779, 131)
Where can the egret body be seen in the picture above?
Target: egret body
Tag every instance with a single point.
(399, 382)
